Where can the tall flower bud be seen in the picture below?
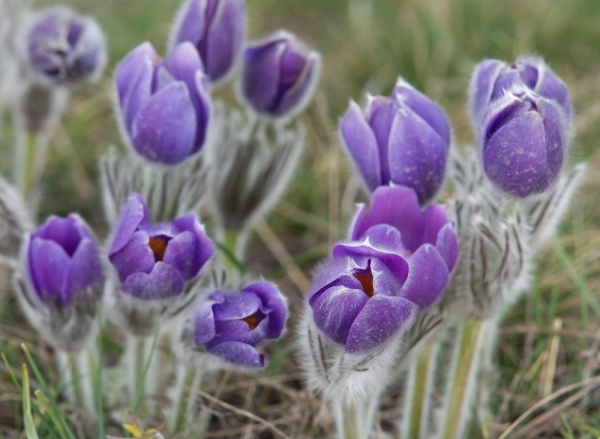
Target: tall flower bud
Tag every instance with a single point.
(279, 75)
(163, 104)
(61, 281)
(524, 142)
(403, 139)
(64, 47)
(217, 29)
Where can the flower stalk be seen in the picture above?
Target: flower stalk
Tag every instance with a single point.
(79, 370)
(354, 417)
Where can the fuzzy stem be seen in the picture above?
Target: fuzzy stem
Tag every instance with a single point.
(79, 368)
(354, 419)
(187, 381)
(137, 350)
(418, 393)
(462, 388)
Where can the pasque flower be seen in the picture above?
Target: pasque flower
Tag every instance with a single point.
(493, 78)
(396, 263)
(164, 106)
(279, 75)
(153, 261)
(216, 28)
(64, 47)
(230, 325)
(403, 139)
(524, 142)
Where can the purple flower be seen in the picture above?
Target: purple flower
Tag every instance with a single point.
(153, 261)
(279, 75)
(217, 28)
(396, 263)
(230, 325)
(63, 46)
(493, 78)
(63, 261)
(164, 106)
(403, 140)
(524, 142)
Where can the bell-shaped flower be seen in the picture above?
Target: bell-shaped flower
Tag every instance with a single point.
(403, 140)
(64, 47)
(524, 142)
(153, 261)
(279, 75)
(217, 29)
(230, 325)
(163, 105)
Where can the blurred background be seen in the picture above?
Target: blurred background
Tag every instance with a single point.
(553, 334)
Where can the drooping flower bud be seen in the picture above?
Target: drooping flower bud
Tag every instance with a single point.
(230, 325)
(217, 29)
(279, 75)
(403, 140)
(64, 47)
(492, 79)
(524, 142)
(153, 261)
(61, 281)
(163, 104)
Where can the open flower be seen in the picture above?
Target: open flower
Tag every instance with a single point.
(153, 261)
(396, 263)
(231, 324)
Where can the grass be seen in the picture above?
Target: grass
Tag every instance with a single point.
(434, 44)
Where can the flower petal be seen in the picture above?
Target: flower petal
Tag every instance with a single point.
(135, 257)
(260, 78)
(427, 276)
(48, 265)
(225, 38)
(238, 353)
(237, 306)
(272, 304)
(163, 282)
(204, 320)
(447, 245)
(84, 270)
(205, 248)
(134, 213)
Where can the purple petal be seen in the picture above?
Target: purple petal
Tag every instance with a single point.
(447, 245)
(181, 252)
(203, 110)
(380, 115)
(361, 144)
(380, 319)
(482, 85)
(164, 130)
(163, 282)
(237, 306)
(84, 270)
(384, 281)
(434, 218)
(134, 213)
(336, 309)
(64, 231)
(272, 304)
(205, 248)
(204, 319)
(235, 330)
(260, 76)
(294, 98)
(238, 353)
(427, 276)
(505, 82)
(417, 155)
(555, 129)
(552, 87)
(332, 272)
(225, 38)
(135, 257)
(191, 25)
(48, 265)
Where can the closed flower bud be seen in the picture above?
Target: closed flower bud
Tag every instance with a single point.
(493, 78)
(61, 281)
(279, 75)
(154, 261)
(64, 47)
(403, 140)
(524, 142)
(230, 325)
(217, 29)
(163, 104)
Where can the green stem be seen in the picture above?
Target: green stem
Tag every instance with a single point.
(26, 169)
(354, 419)
(185, 404)
(75, 380)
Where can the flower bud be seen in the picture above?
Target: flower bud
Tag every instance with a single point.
(64, 47)
(164, 106)
(524, 142)
(403, 140)
(217, 29)
(493, 78)
(153, 261)
(229, 325)
(61, 281)
(279, 75)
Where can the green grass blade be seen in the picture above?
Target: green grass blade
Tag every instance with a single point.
(99, 408)
(54, 417)
(27, 417)
(10, 372)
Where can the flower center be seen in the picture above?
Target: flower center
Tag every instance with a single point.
(254, 319)
(158, 245)
(365, 277)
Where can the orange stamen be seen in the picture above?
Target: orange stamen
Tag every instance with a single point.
(252, 321)
(366, 280)
(158, 245)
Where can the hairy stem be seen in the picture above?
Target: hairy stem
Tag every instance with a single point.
(354, 419)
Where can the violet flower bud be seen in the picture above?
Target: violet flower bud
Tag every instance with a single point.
(403, 140)
(153, 261)
(164, 106)
(230, 325)
(60, 281)
(396, 263)
(493, 78)
(524, 142)
(217, 28)
(279, 75)
(64, 47)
